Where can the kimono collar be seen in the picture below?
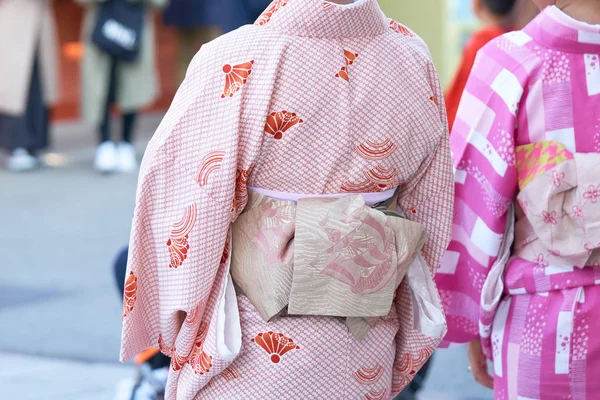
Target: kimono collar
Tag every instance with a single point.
(555, 29)
(324, 20)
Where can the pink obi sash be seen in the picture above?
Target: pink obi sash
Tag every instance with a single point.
(322, 256)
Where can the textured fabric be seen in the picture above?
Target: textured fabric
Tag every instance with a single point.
(527, 87)
(323, 257)
(456, 87)
(373, 119)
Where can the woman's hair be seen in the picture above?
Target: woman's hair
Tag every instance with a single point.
(500, 7)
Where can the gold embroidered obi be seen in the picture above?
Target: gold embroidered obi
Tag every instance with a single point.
(328, 257)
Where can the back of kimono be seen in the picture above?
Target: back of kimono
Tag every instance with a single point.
(315, 98)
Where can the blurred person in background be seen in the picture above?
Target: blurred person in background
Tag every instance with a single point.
(524, 12)
(200, 21)
(107, 82)
(28, 79)
(496, 17)
(195, 24)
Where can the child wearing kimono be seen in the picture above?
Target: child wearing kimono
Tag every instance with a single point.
(520, 278)
(290, 211)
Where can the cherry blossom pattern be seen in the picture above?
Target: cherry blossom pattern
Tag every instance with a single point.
(549, 217)
(557, 178)
(235, 77)
(178, 243)
(279, 122)
(592, 194)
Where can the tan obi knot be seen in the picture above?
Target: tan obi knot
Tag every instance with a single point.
(327, 257)
(560, 196)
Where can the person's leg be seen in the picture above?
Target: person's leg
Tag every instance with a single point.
(129, 120)
(126, 160)
(24, 130)
(106, 154)
(120, 269)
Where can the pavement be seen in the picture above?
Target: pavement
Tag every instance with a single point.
(60, 312)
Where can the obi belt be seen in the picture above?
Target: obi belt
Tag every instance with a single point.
(326, 257)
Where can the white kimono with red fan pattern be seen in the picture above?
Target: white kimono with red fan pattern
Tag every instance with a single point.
(314, 99)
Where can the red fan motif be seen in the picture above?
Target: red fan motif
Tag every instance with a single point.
(384, 178)
(268, 13)
(275, 344)
(177, 360)
(235, 77)
(200, 362)
(178, 239)
(210, 163)
(129, 294)
(240, 199)
(350, 57)
(163, 347)
(279, 122)
(375, 151)
(398, 27)
(375, 395)
(434, 99)
(365, 186)
(368, 376)
(230, 374)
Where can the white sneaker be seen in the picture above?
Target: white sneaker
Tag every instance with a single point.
(126, 161)
(106, 157)
(20, 161)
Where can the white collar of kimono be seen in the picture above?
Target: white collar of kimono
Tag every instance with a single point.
(326, 20)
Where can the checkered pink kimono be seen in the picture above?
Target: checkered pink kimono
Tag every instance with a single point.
(315, 98)
(522, 269)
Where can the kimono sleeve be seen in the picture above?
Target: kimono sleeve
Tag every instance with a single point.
(483, 147)
(427, 197)
(186, 201)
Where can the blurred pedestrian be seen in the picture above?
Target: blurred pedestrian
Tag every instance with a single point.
(496, 18)
(195, 24)
(28, 79)
(523, 13)
(107, 81)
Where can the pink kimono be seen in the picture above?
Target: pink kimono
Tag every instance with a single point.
(522, 270)
(314, 100)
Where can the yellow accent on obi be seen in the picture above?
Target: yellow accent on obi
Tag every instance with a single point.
(537, 158)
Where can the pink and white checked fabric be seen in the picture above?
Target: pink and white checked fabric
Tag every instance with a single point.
(531, 86)
(315, 98)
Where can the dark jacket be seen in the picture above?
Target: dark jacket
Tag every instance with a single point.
(229, 14)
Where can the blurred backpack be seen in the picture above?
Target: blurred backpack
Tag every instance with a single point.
(118, 30)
